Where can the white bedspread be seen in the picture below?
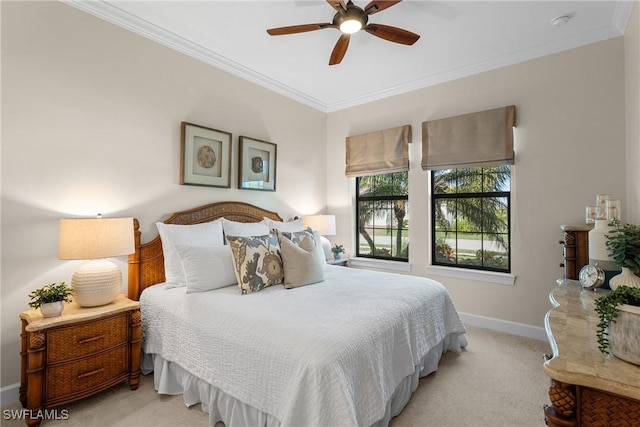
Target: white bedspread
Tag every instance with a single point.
(331, 353)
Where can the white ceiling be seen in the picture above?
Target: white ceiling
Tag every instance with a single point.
(458, 38)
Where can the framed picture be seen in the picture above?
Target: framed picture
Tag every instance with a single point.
(205, 156)
(257, 165)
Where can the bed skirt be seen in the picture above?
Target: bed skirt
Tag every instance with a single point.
(170, 378)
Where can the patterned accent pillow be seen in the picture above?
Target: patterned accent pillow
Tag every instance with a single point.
(257, 260)
(297, 236)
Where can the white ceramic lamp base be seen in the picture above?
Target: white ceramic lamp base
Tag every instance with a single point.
(96, 282)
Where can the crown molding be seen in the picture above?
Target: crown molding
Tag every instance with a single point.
(111, 13)
(622, 14)
(522, 55)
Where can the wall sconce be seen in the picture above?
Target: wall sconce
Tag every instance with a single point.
(98, 281)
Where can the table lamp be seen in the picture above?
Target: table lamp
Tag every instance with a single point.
(325, 225)
(98, 281)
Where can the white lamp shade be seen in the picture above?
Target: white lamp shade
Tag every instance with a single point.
(325, 225)
(93, 238)
(98, 281)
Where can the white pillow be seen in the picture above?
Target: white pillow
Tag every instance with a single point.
(207, 268)
(324, 247)
(244, 229)
(300, 263)
(206, 234)
(297, 236)
(289, 226)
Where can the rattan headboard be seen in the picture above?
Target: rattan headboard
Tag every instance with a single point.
(146, 264)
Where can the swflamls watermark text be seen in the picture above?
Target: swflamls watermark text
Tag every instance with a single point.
(39, 414)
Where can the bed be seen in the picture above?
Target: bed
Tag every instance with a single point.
(347, 350)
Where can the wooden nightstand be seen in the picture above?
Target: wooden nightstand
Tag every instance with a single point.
(80, 353)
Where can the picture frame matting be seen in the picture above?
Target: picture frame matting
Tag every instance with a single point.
(257, 164)
(205, 156)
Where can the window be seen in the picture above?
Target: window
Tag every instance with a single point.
(382, 215)
(471, 218)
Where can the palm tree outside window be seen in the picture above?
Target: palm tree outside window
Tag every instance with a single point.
(471, 218)
(383, 216)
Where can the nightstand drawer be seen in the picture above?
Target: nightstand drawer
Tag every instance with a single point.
(71, 342)
(75, 377)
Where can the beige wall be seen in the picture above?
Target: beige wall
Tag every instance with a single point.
(570, 145)
(91, 123)
(632, 108)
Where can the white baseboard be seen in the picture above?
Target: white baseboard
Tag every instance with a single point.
(9, 395)
(505, 326)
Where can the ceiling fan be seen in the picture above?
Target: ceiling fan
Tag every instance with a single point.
(350, 19)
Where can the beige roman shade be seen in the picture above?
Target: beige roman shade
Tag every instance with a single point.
(374, 153)
(471, 140)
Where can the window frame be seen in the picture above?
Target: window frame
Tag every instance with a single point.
(479, 195)
(359, 200)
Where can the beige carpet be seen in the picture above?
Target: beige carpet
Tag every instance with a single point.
(497, 381)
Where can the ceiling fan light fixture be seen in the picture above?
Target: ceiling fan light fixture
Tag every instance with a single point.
(350, 19)
(350, 26)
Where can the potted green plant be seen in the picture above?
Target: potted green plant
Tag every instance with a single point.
(337, 251)
(50, 298)
(619, 314)
(623, 242)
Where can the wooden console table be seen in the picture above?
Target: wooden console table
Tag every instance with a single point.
(588, 388)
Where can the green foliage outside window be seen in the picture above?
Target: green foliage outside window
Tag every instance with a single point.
(383, 223)
(471, 217)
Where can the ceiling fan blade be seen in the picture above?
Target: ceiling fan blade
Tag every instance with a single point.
(339, 49)
(377, 6)
(338, 5)
(392, 34)
(294, 29)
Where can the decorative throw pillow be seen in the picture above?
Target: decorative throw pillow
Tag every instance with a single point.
(300, 263)
(207, 268)
(258, 262)
(289, 226)
(244, 229)
(298, 236)
(205, 234)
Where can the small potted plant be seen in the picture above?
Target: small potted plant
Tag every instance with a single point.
(619, 313)
(337, 251)
(50, 298)
(623, 242)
